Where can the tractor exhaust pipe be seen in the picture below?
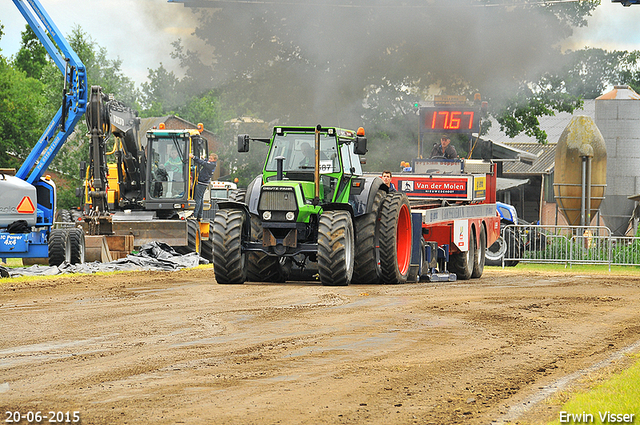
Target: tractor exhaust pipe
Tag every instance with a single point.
(279, 168)
(316, 176)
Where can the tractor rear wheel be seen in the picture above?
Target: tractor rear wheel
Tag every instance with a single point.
(367, 256)
(58, 247)
(462, 263)
(336, 248)
(481, 250)
(228, 257)
(395, 238)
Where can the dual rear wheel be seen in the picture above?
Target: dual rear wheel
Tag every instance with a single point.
(470, 264)
(66, 245)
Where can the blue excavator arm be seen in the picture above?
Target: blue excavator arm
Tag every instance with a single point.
(74, 97)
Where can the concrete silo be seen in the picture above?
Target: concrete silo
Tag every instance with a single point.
(618, 118)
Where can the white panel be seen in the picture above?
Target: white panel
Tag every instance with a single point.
(461, 234)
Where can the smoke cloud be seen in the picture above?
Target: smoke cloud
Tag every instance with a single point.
(317, 59)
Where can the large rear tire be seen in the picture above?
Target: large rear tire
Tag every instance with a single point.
(367, 256)
(228, 257)
(76, 245)
(481, 250)
(462, 263)
(336, 248)
(395, 238)
(58, 247)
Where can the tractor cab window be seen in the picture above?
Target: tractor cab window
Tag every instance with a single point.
(168, 167)
(298, 151)
(350, 161)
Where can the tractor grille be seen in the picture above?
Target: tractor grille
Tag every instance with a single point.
(277, 199)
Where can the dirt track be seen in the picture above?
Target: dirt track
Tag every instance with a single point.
(165, 348)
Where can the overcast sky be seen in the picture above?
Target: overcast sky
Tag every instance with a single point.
(140, 32)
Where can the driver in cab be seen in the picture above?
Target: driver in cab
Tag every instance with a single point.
(309, 156)
(445, 149)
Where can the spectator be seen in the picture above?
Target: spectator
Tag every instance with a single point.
(208, 167)
(386, 178)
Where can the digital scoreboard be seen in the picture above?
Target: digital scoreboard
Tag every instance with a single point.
(449, 119)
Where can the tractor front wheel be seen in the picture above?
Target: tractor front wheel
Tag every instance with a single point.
(336, 248)
(228, 257)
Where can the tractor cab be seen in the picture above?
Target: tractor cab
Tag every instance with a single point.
(296, 149)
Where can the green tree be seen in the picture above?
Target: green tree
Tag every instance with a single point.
(203, 109)
(32, 56)
(161, 93)
(20, 108)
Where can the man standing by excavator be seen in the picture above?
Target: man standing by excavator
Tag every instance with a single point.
(208, 167)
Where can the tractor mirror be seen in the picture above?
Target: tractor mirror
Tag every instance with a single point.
(243, 143)
(83, 170)
(360, 146)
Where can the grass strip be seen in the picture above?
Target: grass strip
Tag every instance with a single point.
(606, 403)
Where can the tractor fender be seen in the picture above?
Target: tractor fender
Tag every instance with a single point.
(252, 196)
(240, 206)
(361, 198)
(338, 206)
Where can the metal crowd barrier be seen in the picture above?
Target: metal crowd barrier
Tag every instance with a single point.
(568, 245)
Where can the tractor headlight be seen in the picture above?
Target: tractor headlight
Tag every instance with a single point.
(290, 216)
(266, 216)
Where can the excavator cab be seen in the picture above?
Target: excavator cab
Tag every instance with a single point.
(171, 174)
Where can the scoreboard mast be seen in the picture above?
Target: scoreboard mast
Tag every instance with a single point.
(450, 114)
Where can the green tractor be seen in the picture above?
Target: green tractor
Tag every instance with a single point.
(312, 214)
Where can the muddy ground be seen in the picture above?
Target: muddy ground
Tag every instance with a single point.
(177, 348)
